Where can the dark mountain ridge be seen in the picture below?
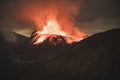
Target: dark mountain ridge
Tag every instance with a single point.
(94, 58)
(10, 40)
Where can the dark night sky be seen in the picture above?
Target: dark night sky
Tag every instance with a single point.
(95, 16)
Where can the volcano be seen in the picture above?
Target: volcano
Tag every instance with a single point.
(51, 39)
(94, 58)
(52, 33)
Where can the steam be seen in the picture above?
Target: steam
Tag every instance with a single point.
(39, 12)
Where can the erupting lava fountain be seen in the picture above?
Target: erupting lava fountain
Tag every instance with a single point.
(55, 35)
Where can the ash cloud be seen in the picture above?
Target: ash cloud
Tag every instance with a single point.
(39, 11)
(91, 11)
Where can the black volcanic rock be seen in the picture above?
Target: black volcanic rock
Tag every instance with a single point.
(37, 38)
(94, 58)
(50, 40)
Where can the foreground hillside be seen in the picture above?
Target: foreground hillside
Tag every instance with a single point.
(94, 58)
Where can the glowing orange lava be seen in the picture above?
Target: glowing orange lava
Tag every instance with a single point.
(53, 28)
(52, 17)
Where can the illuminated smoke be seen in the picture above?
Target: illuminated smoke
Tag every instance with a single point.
(61, 12)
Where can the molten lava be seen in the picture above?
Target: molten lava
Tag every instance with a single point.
(53, 31)
(52, 18)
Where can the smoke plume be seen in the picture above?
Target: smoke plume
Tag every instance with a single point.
(39, 12)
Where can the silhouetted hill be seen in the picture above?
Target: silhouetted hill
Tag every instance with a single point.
(10, 39)
(94, 58)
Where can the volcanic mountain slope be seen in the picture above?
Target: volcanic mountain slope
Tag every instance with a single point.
(94, 58)
(10, 40)
(51, 39)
